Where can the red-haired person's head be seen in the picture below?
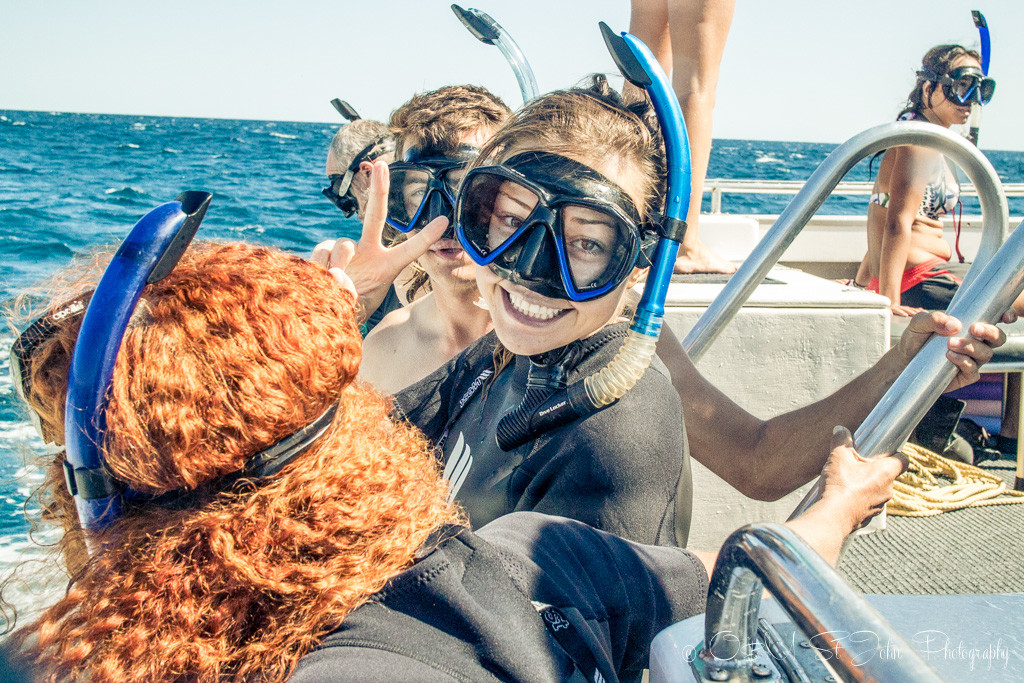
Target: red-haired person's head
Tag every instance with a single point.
(238, 348)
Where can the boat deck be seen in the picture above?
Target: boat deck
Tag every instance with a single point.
(975, 550)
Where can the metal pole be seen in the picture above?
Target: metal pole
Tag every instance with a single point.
(816, 190)
(836, 620)
(927, 375)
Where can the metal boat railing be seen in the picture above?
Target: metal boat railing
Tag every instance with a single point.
(984, 298)
(829, 613)
(719, 187)
(816, 190)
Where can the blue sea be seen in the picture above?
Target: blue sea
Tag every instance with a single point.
(72, 182)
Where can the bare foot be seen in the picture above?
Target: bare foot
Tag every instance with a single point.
(700, 259)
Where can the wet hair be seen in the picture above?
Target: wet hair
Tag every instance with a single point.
(438, 119)
(238, 347)
(594, 123)
(352, 138)
(939, 61)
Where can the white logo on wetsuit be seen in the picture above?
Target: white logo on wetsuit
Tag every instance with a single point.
(457, 467)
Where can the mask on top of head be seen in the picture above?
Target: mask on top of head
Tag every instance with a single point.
(552, 225)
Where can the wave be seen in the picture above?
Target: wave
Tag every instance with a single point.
(128, 145)
(283, 136)
(127, 192)
(767, 158)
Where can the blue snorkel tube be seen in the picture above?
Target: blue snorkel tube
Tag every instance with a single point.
(974, 121)
(488, 31)
(148, 254)
(611, 382)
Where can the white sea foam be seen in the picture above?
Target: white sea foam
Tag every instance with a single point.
(283, 135)
(21, 432)
(37, 586)
(138, 126)
(126, 189)
(763, 158)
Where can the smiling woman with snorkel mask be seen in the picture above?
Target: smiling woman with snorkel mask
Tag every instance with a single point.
(557, 214)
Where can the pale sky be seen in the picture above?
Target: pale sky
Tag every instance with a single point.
(801, 70)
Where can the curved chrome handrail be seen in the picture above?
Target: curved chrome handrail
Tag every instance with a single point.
(984, 298)
(825, 178)
(488, 31)
(833, 617)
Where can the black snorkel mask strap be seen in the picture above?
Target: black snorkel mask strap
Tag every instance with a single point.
(264, 463)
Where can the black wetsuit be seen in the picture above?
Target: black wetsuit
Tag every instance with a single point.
(624, 469)
(469, 609)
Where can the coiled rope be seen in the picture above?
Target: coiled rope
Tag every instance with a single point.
(933, 484)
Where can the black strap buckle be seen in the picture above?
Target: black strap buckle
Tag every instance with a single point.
(89, 484)
(672, 228)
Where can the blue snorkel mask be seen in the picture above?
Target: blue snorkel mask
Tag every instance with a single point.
(551, 224)
(548, 403)
(423, 186)
(149, 253)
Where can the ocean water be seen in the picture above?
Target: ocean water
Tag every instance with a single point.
(72, 182)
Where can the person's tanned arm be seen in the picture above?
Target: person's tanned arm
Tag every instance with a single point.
(855, 490)
(766, 459)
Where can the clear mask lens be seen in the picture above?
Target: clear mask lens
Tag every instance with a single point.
(592, 244)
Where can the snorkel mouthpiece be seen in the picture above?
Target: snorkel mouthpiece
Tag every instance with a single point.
(148, 254)
(608, 385)
(489, 32)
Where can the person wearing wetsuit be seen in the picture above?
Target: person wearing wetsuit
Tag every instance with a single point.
(624, 469)
(277, 524)
(558, 242)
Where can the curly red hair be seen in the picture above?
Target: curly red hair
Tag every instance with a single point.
(239, 347)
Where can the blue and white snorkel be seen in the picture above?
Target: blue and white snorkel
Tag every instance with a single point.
(544, 409)
(147, 255)
(488, 31)
(974, 121)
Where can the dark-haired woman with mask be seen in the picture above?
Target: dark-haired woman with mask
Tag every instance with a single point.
(908, 259)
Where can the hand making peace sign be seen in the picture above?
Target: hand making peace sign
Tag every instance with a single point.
(368, 265)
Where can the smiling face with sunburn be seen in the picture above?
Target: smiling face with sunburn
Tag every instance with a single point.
(528, 323)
